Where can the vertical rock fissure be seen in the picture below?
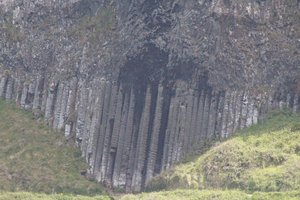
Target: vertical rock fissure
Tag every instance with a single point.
(108, 134)
(115, 137)
(154, 96)
(162, 131)
(128, 139)
(142, 139)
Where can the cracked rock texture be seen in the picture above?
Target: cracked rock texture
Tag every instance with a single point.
(139, 84)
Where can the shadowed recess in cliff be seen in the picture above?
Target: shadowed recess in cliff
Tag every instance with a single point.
(147, 67)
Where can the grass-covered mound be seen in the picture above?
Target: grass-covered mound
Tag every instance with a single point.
(34, 158)
(265, 157)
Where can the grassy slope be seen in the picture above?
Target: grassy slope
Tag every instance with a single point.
(261, 159)
(36, 159)
(260, 164)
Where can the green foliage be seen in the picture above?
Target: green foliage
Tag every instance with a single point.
(34, 158)
(264, 157)
(281, 178)
(90, 27)
(276, 196)
(13, 32)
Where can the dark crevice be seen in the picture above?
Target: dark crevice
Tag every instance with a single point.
(145, 68)
(54, 92)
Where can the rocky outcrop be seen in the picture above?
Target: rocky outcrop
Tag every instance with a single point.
(138, 85)
(126, 136)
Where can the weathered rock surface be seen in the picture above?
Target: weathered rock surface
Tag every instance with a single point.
(140, 84)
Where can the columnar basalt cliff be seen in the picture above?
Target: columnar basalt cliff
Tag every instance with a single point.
(140, 84)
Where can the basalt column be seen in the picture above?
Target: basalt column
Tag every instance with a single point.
(128, 133)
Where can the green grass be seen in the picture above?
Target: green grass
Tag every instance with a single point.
(165, 195)
(189, 195)
(35, 159)
(33, 196)
(212, 195)
(265, 157)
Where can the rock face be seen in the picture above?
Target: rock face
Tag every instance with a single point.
(138, 84)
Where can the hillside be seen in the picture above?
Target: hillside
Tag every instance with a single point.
(35, 159)
(265, 157)
(261, 162)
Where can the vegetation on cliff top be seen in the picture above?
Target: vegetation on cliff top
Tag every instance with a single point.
(34, 158)
(91, 27)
